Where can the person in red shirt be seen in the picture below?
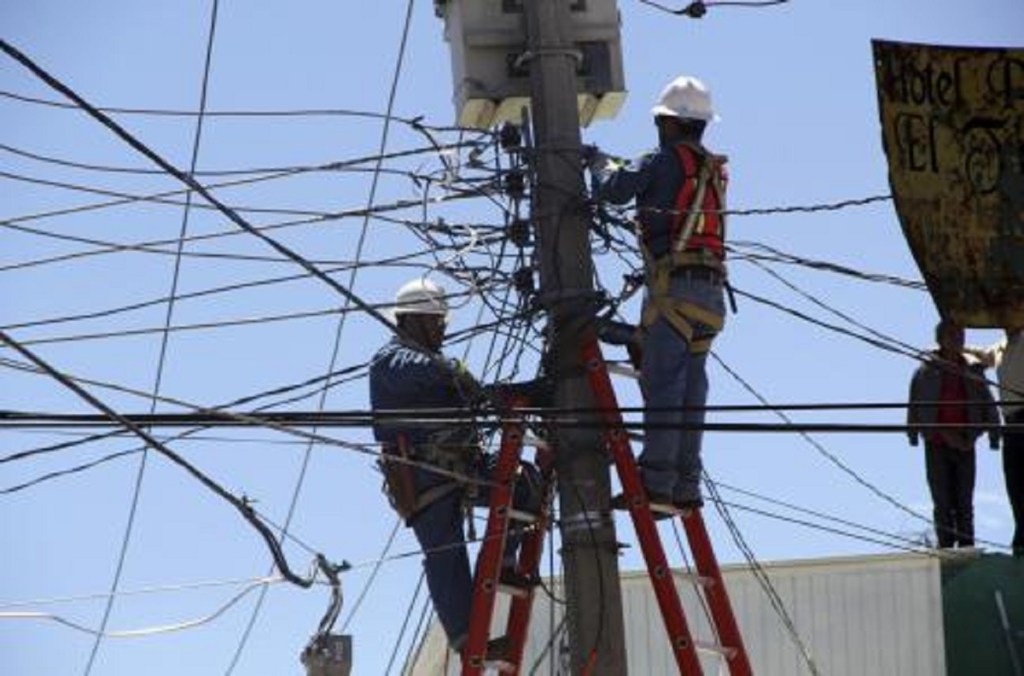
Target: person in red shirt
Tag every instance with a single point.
(950, 403)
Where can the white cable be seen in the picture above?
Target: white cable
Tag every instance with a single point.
(185, 586)
(147, 631)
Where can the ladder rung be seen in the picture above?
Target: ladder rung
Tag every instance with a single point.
(715, 649)
(623, 370)
(663, 508)
(693, 578)
(502, 666)
(524, 517)
(513, 590)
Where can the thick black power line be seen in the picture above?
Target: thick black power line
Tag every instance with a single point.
(190, 182)
(241, 505)
(574, 418)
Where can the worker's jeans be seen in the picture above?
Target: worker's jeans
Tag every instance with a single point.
(951, 474)
(675, 387)
(439, 530)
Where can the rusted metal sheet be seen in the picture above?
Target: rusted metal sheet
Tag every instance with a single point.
(953, 131)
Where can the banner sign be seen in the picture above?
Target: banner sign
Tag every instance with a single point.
(953, 132)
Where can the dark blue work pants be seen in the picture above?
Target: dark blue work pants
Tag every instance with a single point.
(439, 530)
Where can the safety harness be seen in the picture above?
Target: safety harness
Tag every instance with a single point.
(397, 465)
(696, 246)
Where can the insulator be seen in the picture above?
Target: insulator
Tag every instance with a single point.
(523, 281)
(519, 232)
(510, 137)
(515, 184)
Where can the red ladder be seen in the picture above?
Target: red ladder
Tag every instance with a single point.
(486, 582)
(640, 509)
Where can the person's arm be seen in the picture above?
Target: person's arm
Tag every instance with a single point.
(619, 183)
(989, 356)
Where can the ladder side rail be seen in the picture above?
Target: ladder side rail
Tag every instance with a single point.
(680, 638)
(529, 562)
(718, 597)
(488, 566)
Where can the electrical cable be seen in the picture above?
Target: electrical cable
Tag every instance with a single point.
(744, 250)
(373, 574)
(67, 472)
(335, 166)
(319, 218)
(162, 355)
(186, 328)
(833, 311)
(907, 544)
(762, 211)
(426, 615)
(204, 293)
(405, 623)
(419, 634)
(141, 633)
(53, 448)
(156, 589)
(163, 112)
(761, 575)
(816, 445)
(191, 182)
(698, 8)
(349, 300)
(241, 506)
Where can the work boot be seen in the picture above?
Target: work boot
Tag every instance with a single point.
(497, 648)
(661, 504)
(511, 577)
(688, 504)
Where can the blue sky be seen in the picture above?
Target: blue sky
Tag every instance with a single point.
(795, 88)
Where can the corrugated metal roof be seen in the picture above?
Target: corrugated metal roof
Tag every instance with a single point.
(879, 615)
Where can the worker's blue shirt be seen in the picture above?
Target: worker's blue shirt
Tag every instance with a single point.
(404, 376)
(654, 181)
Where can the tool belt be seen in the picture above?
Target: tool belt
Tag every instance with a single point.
(682, 315)
(400, 478)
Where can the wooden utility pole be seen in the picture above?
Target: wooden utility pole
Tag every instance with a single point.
(562, 220)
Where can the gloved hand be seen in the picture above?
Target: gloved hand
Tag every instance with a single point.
(538, 393)
(617, 333)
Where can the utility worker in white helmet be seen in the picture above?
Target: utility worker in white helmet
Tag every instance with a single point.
(411, 374)
(679, 189)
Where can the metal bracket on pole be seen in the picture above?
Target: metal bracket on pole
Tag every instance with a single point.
(530, 54)
(585, 521)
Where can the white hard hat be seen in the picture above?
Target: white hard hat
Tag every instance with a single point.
(685, 97)
(421, 296)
